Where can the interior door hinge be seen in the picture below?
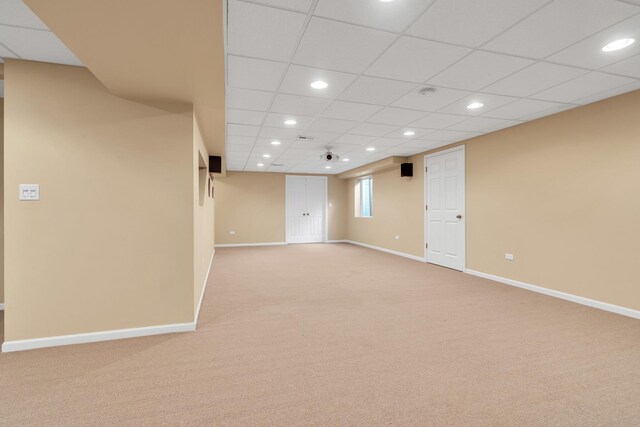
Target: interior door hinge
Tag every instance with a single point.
(426, 169)
(426, 207)
(426, 245)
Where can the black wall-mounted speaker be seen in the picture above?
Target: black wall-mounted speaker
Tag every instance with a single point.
(215, 164)
(406, 169)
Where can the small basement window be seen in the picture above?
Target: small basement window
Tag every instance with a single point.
(364, 197)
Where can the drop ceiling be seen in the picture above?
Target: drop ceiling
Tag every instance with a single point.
(522, 59)
(24, 36)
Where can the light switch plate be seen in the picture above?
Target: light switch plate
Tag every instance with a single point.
(508, 257)
(29, 192)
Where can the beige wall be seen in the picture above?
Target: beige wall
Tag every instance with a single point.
(203, 214)
(110, 243)
(560, 193)
(2, 199)
(253, 204)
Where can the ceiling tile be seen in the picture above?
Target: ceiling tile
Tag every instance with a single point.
(396, 116)
(479, 69)
(370, 129)
(338, 46)
(321, 137)
(263, 32)
(251, 73)
(354, 139)
(374, 90)
(297, 5)
(245, 99)
(458, 21)
(242, 130)
(628, 67)
(431, 101)
(452, 135)
(278, 133)
(296, 104)
(438, 121)
(417, 133)
(588, 52)
(331, 125)
(245, 117)
(388, 142)
(415, 60)
(635, 85)
(524, 108)
(422, 144)
(37, 45)
(584, 86)
(389, 16)
(298, 80)
(535, 78)
(16, 13)
(277, 120)
(490, 102)
(479, 124)
(6, 53)
(350, 110)
(240, 140)
(558, 25)
(504, 125)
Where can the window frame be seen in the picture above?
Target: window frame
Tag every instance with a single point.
(361, 197)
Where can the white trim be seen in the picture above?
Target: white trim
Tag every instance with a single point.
(389, 251)
(337, 241)
(464, 200)
(325, 232)
(19, 345)
(204, 288)
(240, 245)
(562, 295)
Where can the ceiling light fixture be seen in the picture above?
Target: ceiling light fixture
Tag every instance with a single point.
(475, 105)
(409, 133)
(371, 148)
(345, 160)
(319, 84)
(385, 1)
(327, 167)
(266, 156)
(275, 142)
(618, 44)
(290, 122)
(260, 164)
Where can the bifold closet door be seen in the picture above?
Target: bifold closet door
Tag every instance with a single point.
(306, 207)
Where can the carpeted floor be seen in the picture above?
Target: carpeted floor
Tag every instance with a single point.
(338, 335)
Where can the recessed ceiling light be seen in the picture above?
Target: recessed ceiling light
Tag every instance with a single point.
(266, 156)
(327, 167)
(345, 160)
(475, 105)
(385, 1)
(409, 133)
(618, 44)
(260, 164)
(319, 84)
(275, 142)
(290, 122)
(371, 148)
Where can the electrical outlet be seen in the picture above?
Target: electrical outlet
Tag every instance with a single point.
(29, 192)
(232, 232)
(397, 237)
(508, 257)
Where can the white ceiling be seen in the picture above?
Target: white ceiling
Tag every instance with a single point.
(24, 36)
(524, 59)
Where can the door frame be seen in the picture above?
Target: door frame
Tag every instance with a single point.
(464, 201)
(325, 225)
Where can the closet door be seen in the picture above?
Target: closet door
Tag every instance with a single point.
(305, 208)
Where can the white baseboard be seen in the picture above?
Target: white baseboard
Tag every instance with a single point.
(204, 288)
(241, 245)
(1, 307)
(389, 251)
(562, 295)
(337, 241)
(30, 344)
(19, 345)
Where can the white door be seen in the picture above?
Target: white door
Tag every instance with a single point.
(306, 209)
(445, 192)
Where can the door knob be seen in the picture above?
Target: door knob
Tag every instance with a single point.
(459, 216)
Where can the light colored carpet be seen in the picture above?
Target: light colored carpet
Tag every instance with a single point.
(337, 335)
